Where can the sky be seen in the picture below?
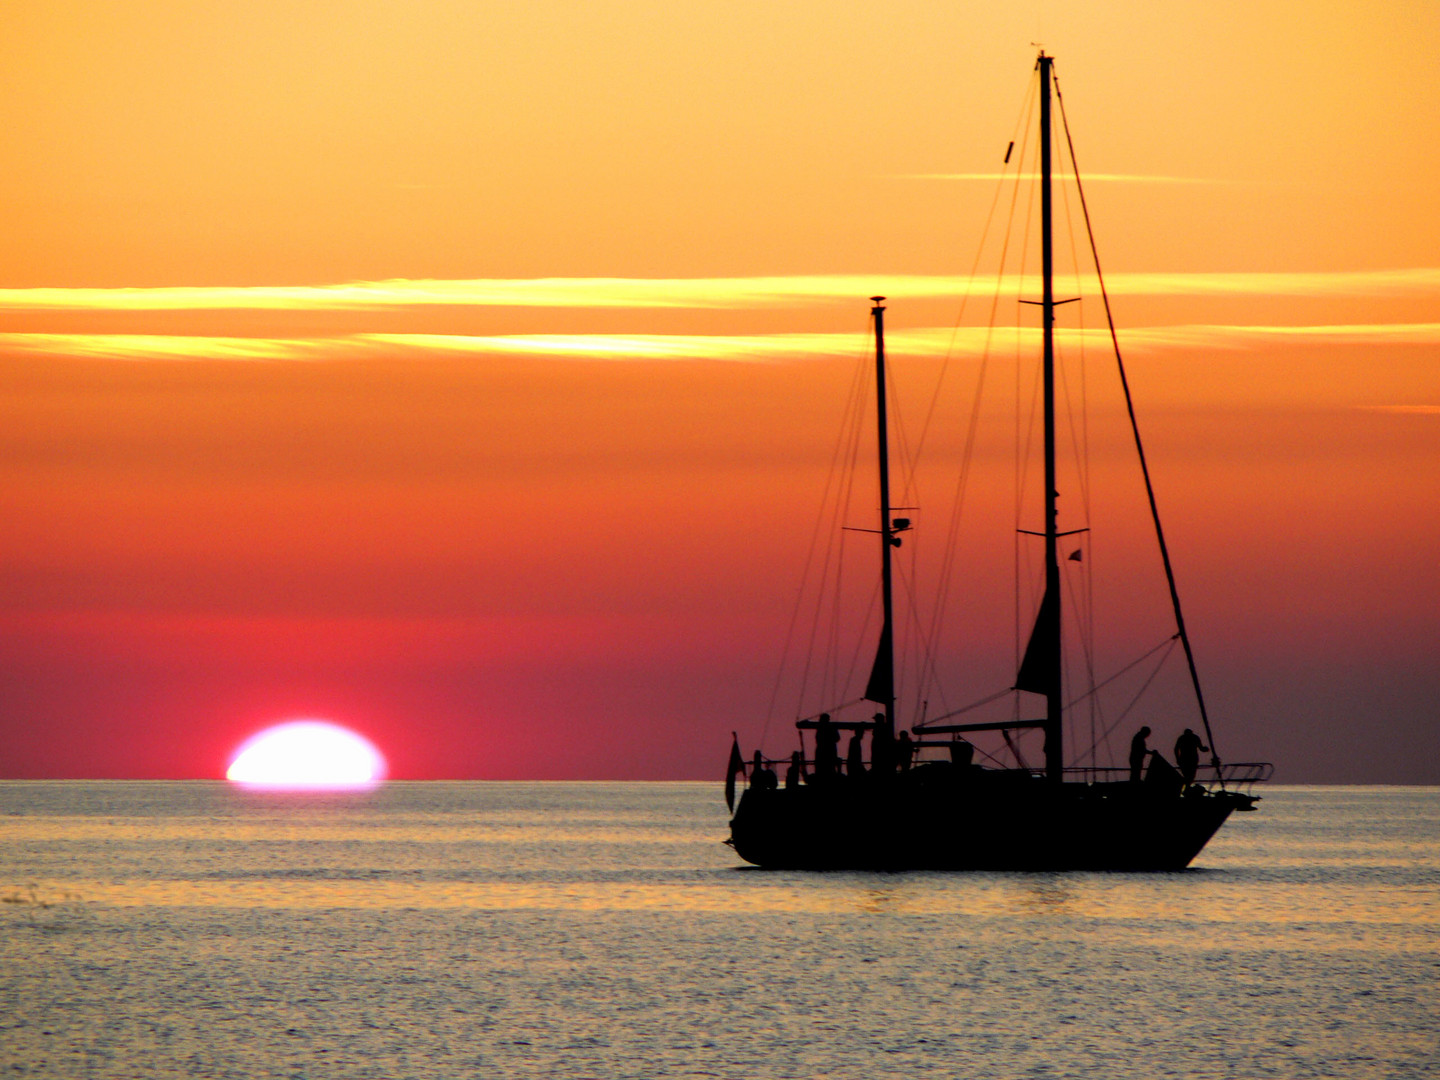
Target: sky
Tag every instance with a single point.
(469, 374)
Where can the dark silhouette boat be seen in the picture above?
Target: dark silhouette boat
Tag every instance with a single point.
(905, 808)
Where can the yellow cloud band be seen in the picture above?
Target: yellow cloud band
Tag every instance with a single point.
(931, 342)
(698, 293)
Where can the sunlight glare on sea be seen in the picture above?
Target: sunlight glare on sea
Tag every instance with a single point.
(602, 930)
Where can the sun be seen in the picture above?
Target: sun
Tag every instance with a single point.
(307, 755)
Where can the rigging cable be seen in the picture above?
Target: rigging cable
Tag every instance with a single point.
(1080, 446)
(833, 480)
(928, 680)
(966, 708)
(909, 500)
(1021, 459)
(1024, 447)
(842, 513)
(1168, 643)
(1087, 649)
(1023, 132)
(1140, 449)
(1169, 646)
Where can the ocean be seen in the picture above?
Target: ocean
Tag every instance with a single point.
(603, 930)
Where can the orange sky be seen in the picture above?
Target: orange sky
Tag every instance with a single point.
(469, 374)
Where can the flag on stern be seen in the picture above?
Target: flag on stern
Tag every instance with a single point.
(734, 769)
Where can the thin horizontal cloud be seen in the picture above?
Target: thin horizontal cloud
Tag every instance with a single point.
(630, 346)
(1417, 281)
(1250, 336)
(694, 293)
(164, 347)
(755, 348)
(920, 343)
(138, 347)
(519, 292)
(1102, 178)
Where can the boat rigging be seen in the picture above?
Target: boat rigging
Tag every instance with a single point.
(904, 812)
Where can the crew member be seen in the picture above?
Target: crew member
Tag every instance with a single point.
(760, 776)
(855, 755)
(827, 748)
(1138, 752)
(1187, 755)
(795, 771)
(905, 750)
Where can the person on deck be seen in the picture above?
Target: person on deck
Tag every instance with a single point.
(1187, 755)
(827, 749)
(1138, 752)
(795, 772)
(905, 750)
(760, 776)
(855, 755)
(882, 746)
(962, 753)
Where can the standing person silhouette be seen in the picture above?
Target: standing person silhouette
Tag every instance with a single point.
(827, 749)
(1138, 753)
(795, 772)
(855, 756)
(1187, 755)
(905, 750)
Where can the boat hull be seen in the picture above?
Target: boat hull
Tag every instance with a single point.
(986, 821)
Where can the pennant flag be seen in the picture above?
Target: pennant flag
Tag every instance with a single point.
(1076, 556)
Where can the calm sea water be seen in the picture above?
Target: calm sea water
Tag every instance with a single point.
(602, 930)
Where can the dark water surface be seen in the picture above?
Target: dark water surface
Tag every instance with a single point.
(602, 930)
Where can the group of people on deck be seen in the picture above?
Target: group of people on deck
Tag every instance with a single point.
(1188, 749)
(829, 767)
(899, 754)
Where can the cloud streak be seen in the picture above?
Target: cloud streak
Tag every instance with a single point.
(139, 347)
(694, 293)
(1103, 178)
(756, 348)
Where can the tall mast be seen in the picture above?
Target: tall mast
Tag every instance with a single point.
(1054, 754)
(882, 678)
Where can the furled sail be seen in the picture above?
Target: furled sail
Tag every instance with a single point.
(881, 687)
(1041, 666)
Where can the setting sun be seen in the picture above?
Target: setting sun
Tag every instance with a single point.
(307, 755)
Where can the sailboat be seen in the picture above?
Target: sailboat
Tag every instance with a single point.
(900, 811)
